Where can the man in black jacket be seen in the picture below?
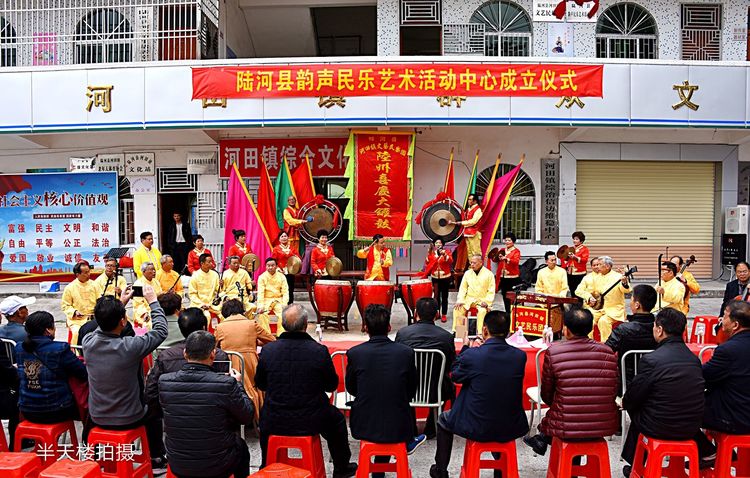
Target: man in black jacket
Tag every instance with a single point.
(727, 377)
(665, 399)
(738, 286)
(637, 333)
(296, 372)
(489, 407)
(202, 410)
(424, 334)
(179, 240)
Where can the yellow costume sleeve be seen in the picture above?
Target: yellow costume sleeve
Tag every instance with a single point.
(139, 257)
(67, 301)
(362, 253)
(474, 218)
(388, 262)
(692, 284)
(292, 221)
(284, 290)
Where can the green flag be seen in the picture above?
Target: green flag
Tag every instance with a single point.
(283, 188)
(472, 188)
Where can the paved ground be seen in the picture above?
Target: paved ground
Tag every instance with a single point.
(530, 465)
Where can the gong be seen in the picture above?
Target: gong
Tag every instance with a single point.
(320, 215)
(436, 221)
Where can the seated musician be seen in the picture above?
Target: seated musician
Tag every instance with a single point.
(551, 280)
(141, 307)
(273, 295)
(671, 290)
(169, 279)
(282, 252)
(477, 290)
(613, 307)
(204, 288)
(237, 284)
(688, 280)
(575, 264)
(111, 282)
(379, 259)
(79, 298)
(320, 254)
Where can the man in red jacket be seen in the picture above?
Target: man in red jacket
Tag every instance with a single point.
(579, 382)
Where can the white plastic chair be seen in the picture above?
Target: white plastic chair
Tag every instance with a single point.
(704, 350)
(427, 362)
(340, 399)
(236, 356)
(636, 357)
(534, 393)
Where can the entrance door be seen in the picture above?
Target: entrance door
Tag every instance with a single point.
(170, 203)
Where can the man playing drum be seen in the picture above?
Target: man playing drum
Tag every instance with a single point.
(379, 259)
(273, 295)
(477, 289)
(236, 282)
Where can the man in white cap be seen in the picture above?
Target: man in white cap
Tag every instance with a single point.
(14, 309)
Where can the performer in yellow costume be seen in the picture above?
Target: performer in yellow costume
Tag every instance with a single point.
(236, 282)
(146, 253)
(79, 299)
(671, 291)
(204, 287)
(291, 223)
(552, 280)
(477, 289)
(472, 235)
(141, 308)
(379, 259)
(273, 295)
(114, 283)
(688, 280)
(168, 277)
(613, 309)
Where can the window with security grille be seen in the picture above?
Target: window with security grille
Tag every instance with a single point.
(701, 32)
(518, 216)
(7, 43)
(104, 36)
(507, 28)
(626, 30)
(127, 212)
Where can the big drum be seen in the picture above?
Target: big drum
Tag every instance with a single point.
(373, 292)
(411, 292)
(333, 298)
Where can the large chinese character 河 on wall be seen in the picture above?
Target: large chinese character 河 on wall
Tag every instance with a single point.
(49, 222)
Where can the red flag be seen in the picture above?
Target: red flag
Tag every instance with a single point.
(303, 183)
(448, 186)
(267, 204)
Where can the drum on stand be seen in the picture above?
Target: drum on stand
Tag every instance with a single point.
(332, 300)
(411, 291)
(373, 292)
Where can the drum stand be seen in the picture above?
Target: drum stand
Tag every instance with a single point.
(341, 321)
(409, 299)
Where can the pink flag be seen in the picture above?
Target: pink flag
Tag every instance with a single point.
(494, 205)
(242, 214)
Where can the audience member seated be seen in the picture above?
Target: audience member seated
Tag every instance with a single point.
(8, 394)
(202, 413)
(637, 332)
(489, 407)
(382, 376)
(114, 364)
(665, 398)
(295, 372)
(579, 383)
(727, 377)
(171, 304)
(14, 309)
(240, 334)
(424, 334)
(44, 367)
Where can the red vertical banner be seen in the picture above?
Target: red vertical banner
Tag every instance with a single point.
(382, 189)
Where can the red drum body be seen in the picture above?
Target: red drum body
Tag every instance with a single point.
(413, 290)
(326, 295)
(374, 292)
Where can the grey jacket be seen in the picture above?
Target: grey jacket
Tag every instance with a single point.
(115, 371)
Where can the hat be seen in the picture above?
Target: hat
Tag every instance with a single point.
(10, 305)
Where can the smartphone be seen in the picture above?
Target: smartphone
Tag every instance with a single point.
(137, 291)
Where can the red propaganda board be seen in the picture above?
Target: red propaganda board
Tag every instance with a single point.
(326, 155)
(381, 188)
(410, 79)
(533, 320)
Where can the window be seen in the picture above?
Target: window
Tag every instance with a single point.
(701, 32)
(127, 213)
(518, 216)
(626, 30)
(421, 27)
(103, 36)
(7, 43)
(507, 28)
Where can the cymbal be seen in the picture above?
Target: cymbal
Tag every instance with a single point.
(293, 265)
(250, 262)
(492, 255)
(563, 251)
(334, 266)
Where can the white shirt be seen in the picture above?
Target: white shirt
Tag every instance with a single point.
(179, 237)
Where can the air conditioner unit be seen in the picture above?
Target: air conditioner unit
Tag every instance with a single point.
(735, 220)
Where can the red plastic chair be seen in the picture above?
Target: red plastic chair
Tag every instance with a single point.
(19, 465)
(281, 470)
(172, 475)
(368, 450)
(45, 438)
(3, 442)
(312, 453)
(657, 450)
(72, 469)
(707, 323)
(725, 445)
(473, 462)
(138, 466)
(561, 459)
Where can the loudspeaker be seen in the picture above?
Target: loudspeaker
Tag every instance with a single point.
(735, 220)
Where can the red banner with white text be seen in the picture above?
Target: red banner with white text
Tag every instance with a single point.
(326, 155)
(411, 79)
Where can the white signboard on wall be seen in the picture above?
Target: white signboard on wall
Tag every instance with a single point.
(111, 163)
(566, 11)
(139, 164)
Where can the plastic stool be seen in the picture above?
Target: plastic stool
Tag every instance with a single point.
(116, 439)
(72, 469)
(45, 436)
(705, 324)
(657, 450)
(312, 453)
(368, 450)
(172, 475)
(473, 462)
(725, 444)
(19, 465)
(561, 459)
(281, 470)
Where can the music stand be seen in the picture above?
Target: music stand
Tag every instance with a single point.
(117, 253)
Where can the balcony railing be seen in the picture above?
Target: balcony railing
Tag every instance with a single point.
(64, 32)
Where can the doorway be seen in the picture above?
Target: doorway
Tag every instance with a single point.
(170, 203)
(333, 190)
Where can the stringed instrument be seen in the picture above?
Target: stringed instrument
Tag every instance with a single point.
(600, 297)
(692, 260)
